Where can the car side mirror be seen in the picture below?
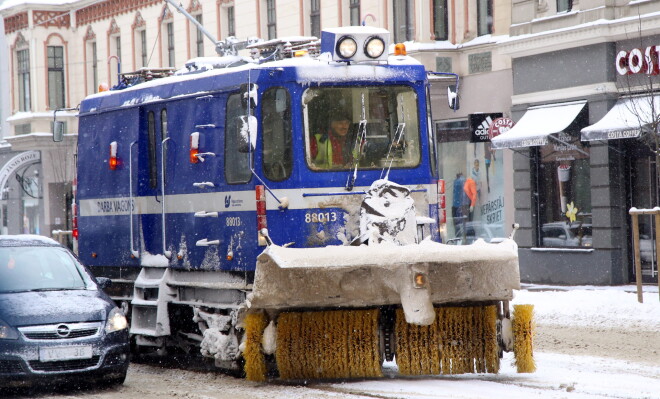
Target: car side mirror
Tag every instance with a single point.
(58, 131)
(103, 282)
(452, 97)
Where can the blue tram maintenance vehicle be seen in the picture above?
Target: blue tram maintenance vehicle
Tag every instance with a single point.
(280, 213)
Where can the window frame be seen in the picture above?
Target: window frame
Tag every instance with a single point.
(169, 28)
(199, 36)
(354, 12)
(231, 21)
(287, 135)
(232, 163)
(484, 22)
(56, 78)
(271, 19)
(440, 22)
(315, 18)
(24, 80)
(403, 24)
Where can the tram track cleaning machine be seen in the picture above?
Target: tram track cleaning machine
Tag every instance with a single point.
(340, 311)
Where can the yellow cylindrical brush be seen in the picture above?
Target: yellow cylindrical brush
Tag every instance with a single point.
(523, 338)
(255, 362)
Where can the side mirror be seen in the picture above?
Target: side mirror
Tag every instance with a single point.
(249, 93)
(103, 282)
(58, 131)
(452, 97)
(246, 134)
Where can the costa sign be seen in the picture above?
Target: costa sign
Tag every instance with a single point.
(638, 61)
(499, 126)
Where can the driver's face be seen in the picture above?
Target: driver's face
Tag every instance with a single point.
(340, 127)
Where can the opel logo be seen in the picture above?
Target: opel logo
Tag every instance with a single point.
(63, 330)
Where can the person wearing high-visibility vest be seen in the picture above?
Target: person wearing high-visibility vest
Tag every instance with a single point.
(334, 147)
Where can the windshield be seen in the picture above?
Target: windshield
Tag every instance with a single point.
(39, 269)
(371, 127)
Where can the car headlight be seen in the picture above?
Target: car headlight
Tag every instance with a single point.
(116, 321)
(374, 47)
(346, 47)
(7, 331)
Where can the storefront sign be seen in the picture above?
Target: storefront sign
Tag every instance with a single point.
(638, 61)
(499, 126)
(22, 159)
(480, 125)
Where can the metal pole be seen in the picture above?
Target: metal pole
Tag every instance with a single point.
(638, 258)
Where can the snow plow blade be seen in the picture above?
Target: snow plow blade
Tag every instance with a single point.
(415, 276)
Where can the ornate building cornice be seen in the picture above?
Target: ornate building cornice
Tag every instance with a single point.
(109, 9)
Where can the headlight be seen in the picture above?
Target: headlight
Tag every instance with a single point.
(346, 47)
(374, 47)
(7, 331)
(116, 321)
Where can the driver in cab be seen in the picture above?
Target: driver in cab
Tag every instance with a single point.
(333, 148)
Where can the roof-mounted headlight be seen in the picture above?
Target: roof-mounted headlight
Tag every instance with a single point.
(374, 47)
(346, 47)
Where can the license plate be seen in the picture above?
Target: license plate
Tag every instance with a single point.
(65, 353)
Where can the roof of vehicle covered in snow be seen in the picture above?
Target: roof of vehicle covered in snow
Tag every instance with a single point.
(209, 79)
(27, 240)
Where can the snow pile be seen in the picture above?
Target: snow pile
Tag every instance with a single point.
(388, 214)
(594, 307)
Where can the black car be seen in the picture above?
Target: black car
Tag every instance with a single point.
(56, 323)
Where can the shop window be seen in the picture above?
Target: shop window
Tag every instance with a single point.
(474, 176)
(276, 128)
(237, 151)
(564, 193)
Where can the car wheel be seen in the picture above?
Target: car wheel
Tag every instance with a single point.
(115, 380)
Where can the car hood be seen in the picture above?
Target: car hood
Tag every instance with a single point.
(51, 307)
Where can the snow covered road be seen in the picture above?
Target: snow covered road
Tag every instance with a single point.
(590, 343)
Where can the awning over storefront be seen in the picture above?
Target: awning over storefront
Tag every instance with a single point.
(538, 124)
(626, 119)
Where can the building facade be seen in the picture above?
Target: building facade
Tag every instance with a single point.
(583, 153)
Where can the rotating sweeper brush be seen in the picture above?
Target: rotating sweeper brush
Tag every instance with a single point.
(340, 312)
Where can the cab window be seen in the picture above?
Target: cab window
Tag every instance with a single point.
(276, 134)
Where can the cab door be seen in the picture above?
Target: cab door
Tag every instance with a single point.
(152, 159)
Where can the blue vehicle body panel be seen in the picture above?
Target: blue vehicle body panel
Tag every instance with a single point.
(197, 103)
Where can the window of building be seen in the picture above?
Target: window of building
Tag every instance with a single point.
(231, 23)
(23, 70)
(95, 69)
(199, 38)
(118, 46)
(315, 17)
(474, 176)
(143, 48)
(403, 26)
(56, 87)
(564, 200)
(271, 19)
(276, 136)
(440, 30)
(354, 12)
(484, 17)
(564, 5)
(237, 157)
(170, 44)
(23, 128)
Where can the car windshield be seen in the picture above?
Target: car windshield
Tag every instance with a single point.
(39, 269)
(374, 127)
